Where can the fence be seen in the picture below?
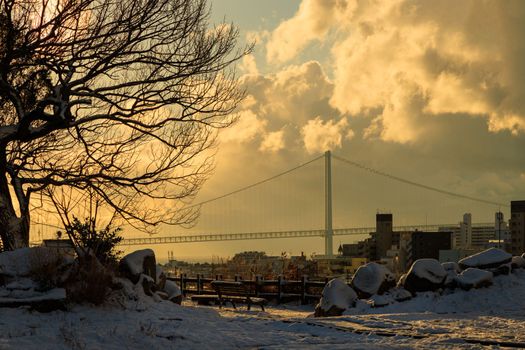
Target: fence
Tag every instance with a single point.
(280, 290)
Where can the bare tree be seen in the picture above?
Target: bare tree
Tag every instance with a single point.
(121, 98)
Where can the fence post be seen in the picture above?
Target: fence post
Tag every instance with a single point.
(199, 283)
(279, 288)
(182, 284)
(257, 282)
(303, 289)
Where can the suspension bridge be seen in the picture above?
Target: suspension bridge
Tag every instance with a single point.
(327, 231)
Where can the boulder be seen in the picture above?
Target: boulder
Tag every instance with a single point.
(381, 300)
(452, 270)
(337, 296)
(491, 258)
(425, 275)
(400, 294)
(518, 262)
(371, 279)
(503, 269)
(160, 278)
(474, 278)
(17, 295)
(140, 262)
(173, 291)
(16, 262)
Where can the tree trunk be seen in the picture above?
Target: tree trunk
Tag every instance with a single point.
(14, 230)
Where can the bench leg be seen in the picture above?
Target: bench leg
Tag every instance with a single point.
(262, 307)
(233, 304)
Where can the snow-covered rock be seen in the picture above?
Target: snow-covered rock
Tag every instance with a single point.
(452, 269)
(503, 269)
(518, 262)
(16, 262)
(381, 300)
(425, 275)
(337, 296)
(474, 278)
(133, 265)
(400, 294)
(160, 278)
(371, 279)
(487, 259)
(173, 291)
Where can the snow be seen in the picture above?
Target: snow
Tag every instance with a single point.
(135, 260)
(474, 278)
(428, 269)
(518, 262)
(172, 289)
(430, 320)
(337, 293)
(492, 257)
(371, 277)
(16, 262)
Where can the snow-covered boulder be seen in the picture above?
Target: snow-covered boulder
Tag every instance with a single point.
(400, 294)
(371, 279)
(503, 269)
(160, 278)
(133, 265)
(381, 300)
(518, 262)
(474, 278)
(16, 262)
(425, 275)
(173, 291)
(337, 296)
(452, 270)
(488, 259)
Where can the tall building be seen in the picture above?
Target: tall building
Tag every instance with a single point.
(465, 229)
(383, 235)
(517, 227)
(467, 236)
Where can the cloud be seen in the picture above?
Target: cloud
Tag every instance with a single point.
(248, 65)
(273, 142)
(311, 22)
(247, 127)
(319, 136)
(401, 63)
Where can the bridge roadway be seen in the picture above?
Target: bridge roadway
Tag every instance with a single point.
(280, 234)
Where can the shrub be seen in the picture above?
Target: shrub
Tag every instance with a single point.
(90, 241)
(92, 283)
(46, 267)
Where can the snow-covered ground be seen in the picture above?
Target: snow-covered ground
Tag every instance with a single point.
(457, 320)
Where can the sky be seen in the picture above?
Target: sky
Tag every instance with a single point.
(430, 91)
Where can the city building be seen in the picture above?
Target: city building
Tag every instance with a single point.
(468, 237)
(517, 227)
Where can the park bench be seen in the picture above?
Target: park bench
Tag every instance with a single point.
(232, 292)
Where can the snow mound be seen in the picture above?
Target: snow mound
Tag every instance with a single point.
(371, 279)
(425, 275)
(474, 278)
(337, 296)
(490, 258)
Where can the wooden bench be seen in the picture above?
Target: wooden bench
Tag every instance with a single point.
(232, 292)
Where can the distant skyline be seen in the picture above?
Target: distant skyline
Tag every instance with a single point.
(429, 91)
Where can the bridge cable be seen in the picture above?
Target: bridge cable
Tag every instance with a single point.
(409, 182)
(254, 184)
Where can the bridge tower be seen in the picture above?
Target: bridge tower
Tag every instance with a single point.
(329, 233)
